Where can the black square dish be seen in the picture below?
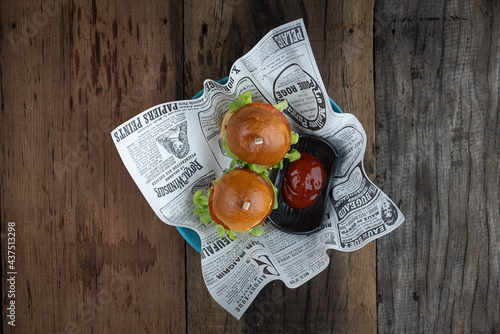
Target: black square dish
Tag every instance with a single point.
(307, 220)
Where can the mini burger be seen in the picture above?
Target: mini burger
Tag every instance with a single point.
(239, 201)
(257, 133)
(258, 137)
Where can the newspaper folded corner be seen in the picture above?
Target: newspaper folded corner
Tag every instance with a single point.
(174, 149)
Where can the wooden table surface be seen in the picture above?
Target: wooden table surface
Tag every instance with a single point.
(91, 256)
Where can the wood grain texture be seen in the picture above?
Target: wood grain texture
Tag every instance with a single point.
(422, 77)
(91, 254)
(437, 84)
(343, 297)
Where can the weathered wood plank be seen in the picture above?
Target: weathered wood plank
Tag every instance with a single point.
(343, 297)
(92, 256)
(437, 93)
(347, 67)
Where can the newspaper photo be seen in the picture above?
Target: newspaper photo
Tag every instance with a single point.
(174, 149)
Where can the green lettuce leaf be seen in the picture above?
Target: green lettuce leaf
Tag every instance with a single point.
(243, 99)
(292, 155)
(257, 230)
(246, 98)
(221, 229)
(226, 148)
(201, 206)
(281, 106)
(258, 169)
(275, 190)
(295, 137)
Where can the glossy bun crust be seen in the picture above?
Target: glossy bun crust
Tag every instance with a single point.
(251, 122)
(230, 193)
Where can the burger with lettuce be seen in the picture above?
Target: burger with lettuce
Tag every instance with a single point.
(258, 137)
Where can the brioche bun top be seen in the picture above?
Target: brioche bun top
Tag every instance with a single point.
(241, 199)
(258, 133)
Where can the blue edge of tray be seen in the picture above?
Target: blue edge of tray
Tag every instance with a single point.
(188, 234)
